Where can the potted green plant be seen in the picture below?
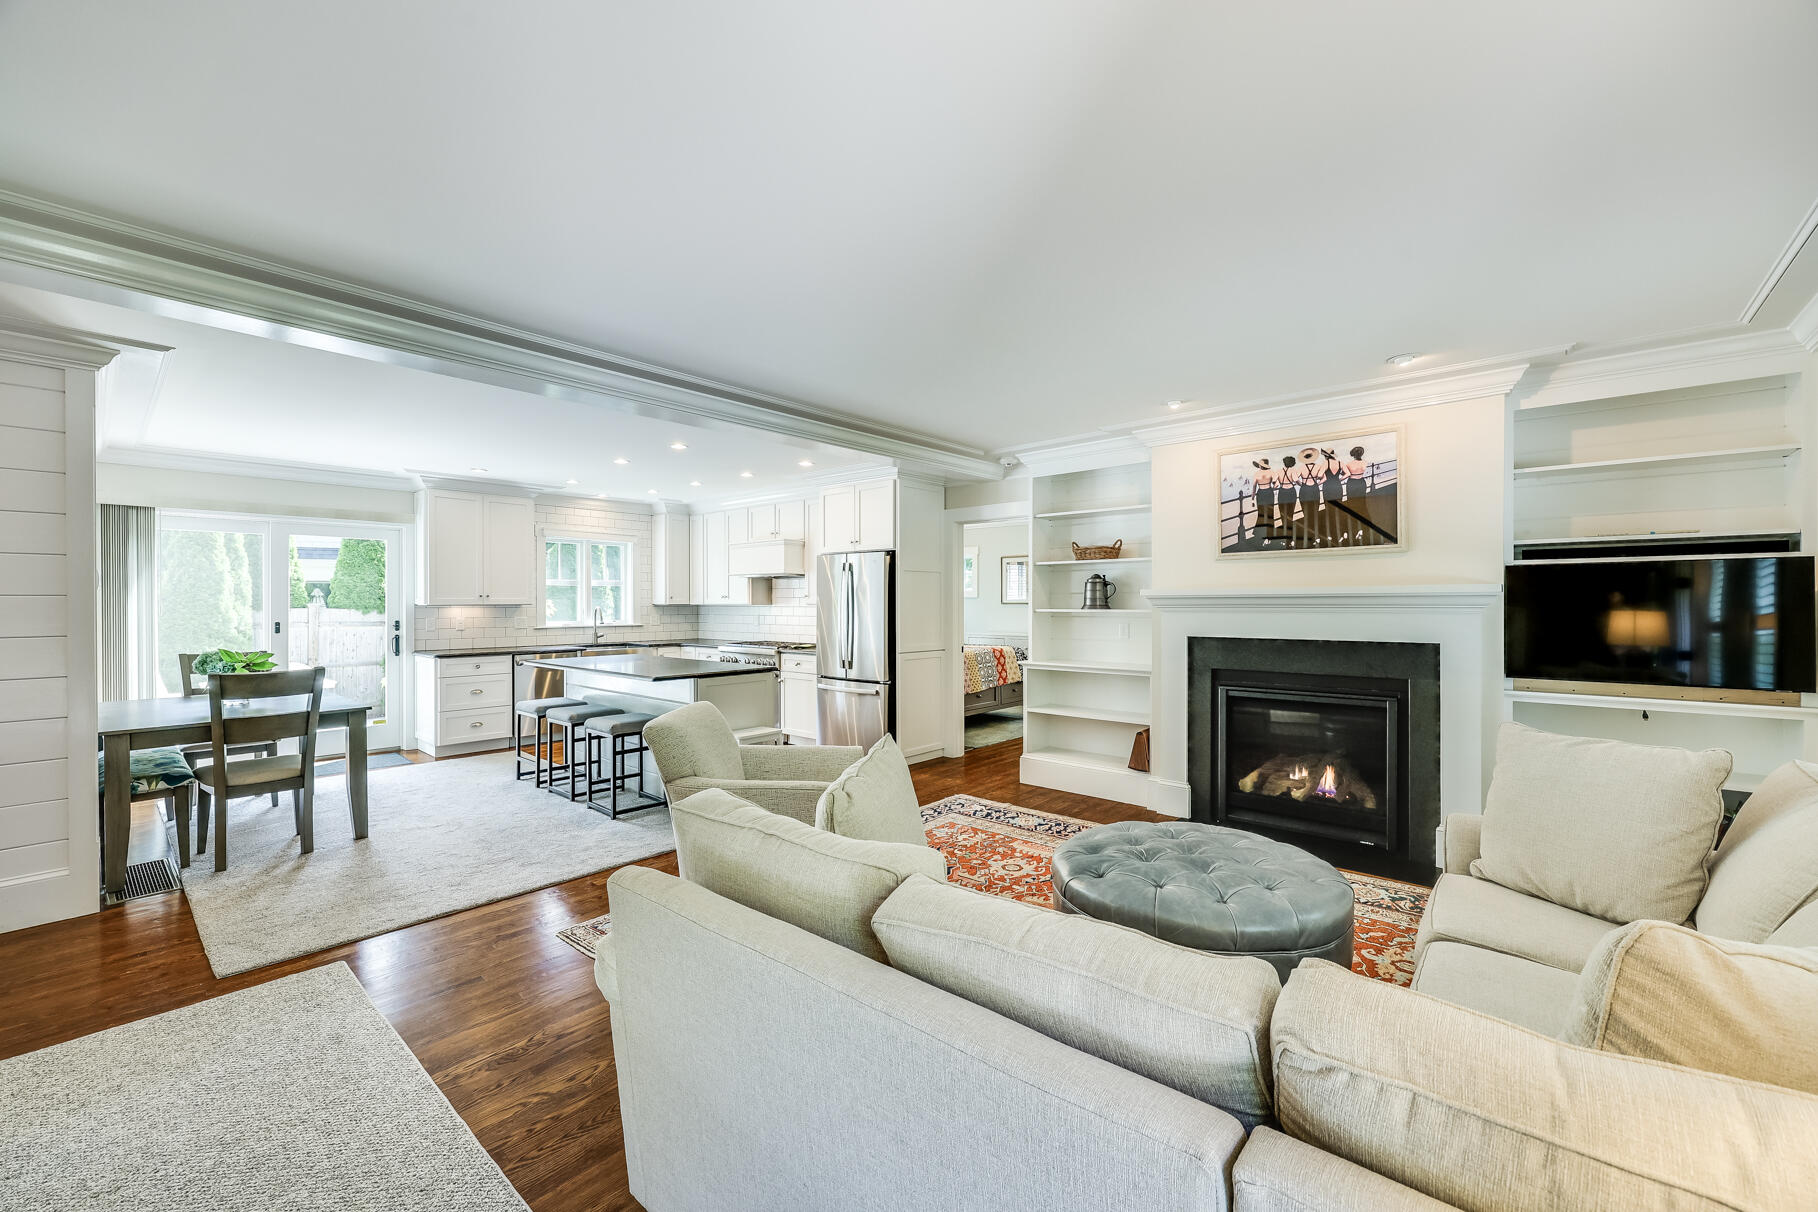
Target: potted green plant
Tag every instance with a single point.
(226, 660)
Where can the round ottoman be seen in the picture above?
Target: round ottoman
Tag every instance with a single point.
(1210, 888)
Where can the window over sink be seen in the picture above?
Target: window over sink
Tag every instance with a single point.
(582, 576)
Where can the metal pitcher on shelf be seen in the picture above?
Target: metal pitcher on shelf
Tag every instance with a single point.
(1099, 592)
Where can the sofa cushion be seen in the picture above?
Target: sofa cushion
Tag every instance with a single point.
(1767, 865)
(874, 799)
(822, 882)
(1615, 830)
(1193, 1021)
(606, 968)
(1800, 930)
(694, 742)
(1521, 991)
(1276, 1173)
(1483, 1114)
(1469, 910)
(1666, 993)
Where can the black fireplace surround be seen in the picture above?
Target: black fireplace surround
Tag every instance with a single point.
(1330, 744)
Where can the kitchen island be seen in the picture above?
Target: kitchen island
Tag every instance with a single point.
(745, 694)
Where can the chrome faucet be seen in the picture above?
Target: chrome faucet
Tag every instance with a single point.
(599, 624)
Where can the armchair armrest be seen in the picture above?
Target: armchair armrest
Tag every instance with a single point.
(1464, 835)
(794, 798)
(817, 763)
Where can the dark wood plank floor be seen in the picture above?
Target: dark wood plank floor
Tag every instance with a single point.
(502, 1014)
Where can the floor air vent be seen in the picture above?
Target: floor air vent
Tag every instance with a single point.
(148, 879)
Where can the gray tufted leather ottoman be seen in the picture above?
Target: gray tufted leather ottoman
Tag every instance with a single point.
(1210, 888)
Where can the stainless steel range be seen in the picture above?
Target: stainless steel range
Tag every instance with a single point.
(764, 656)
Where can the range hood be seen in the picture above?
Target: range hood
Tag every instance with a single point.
(767, 558)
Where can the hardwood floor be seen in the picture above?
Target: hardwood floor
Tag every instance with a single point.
(501, 1013)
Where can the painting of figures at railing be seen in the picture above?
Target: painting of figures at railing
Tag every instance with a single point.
(1329, 495)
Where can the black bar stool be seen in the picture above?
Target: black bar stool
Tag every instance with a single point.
(571, 720)
(534, 710)
(624, 735)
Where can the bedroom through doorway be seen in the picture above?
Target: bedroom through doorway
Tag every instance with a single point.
(994, 579)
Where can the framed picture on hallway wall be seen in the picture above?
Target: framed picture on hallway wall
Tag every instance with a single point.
(1330, 493)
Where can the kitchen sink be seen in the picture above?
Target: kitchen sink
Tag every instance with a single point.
(619, 650)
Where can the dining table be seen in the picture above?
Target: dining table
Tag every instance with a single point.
(125, 725)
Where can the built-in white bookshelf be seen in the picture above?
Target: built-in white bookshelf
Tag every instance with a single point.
(1719, 466)
(1086, 683)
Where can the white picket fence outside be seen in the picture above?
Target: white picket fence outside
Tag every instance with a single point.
(348, 644)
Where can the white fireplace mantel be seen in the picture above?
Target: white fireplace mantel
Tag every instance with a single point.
(1464, 619)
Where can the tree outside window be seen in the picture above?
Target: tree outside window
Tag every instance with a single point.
(581, 576)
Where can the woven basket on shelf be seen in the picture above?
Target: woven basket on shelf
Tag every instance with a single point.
(1098, 553)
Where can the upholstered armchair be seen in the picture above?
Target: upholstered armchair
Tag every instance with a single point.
(694, 749)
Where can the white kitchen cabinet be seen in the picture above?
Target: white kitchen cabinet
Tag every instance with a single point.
(475, 550)
(859, 517)
(811, 549)
(799, 702)
(671, 565)
(721, 588)
(463, 704)
(778, 520)
(738, 525)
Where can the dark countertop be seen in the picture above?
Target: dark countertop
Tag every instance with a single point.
(440, 654)
(648, 667)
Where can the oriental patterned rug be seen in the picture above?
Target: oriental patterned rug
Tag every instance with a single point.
(1007, 851)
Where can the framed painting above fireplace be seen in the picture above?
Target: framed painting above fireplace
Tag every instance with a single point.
(1330, 493)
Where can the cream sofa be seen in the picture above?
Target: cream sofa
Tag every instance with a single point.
(1518, 956)
(821, 1023)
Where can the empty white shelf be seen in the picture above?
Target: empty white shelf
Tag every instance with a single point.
(1780, 450)
(1117, 560)
(1114, 670)
(1081, 757)
(1100, 511)
(1109, 715)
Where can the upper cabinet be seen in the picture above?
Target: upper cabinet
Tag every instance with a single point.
(475, 549)
(780, 520)
(714, 584)
(859, 517)
(672, 563)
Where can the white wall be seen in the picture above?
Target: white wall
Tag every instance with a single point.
(988, 614)
(1452, 502)
(163, 488)
(49, 842)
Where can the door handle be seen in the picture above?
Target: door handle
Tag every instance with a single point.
(841, 688)
(397, 646)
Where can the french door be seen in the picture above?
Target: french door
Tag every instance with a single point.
(310, 592)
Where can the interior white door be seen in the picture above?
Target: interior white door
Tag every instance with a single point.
(337, 591)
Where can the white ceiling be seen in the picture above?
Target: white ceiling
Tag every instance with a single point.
(995, 223)
(227, 394)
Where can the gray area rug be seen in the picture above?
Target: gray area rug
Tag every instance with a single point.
(295, 1094)
(443, 836)
(993, 727)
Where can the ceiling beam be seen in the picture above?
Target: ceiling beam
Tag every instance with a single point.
(111, 261)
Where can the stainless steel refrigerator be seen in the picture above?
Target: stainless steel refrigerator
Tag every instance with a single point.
(856, 637)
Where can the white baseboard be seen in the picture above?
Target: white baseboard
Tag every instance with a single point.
(1170, 797)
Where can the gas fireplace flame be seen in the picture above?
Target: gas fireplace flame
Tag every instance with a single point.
(1299, 772)
(1328, 784)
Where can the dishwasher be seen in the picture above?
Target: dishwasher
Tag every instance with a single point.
(531, 682)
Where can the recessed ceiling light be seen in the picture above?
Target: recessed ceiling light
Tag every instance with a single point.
(601, 495)
(678, 446)
(478, 471)
(694, 483)
(1175, 404)
(804, 463)
(621, 462)
(744, 475)
(652, 491)
(571, 481)
(1401, 359)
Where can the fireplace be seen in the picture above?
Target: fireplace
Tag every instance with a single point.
(1332, 745)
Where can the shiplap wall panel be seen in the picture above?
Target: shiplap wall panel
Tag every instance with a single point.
(34, 534)
(34, 699)
(42, 615)
(31, 740)
(49, 844)
(31, 449)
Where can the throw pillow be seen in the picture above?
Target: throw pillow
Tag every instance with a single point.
(874, 799)
(1618, 831)
(1767, 865)
(826, 884)
(1663, 992)
(1185, 1018)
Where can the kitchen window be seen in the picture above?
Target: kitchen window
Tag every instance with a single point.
(582, 576)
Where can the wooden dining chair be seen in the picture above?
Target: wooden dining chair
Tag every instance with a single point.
(199, 752)
(260, 721)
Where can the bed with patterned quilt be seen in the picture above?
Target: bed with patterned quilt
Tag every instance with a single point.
(994, 675)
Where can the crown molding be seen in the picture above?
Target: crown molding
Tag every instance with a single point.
(171, 275)
(1086, 452)
(1397, 598)
(1394, 393)
(1781, 264)
(1804, 328)
(163, 459)
(1725, 359)
(43, 345)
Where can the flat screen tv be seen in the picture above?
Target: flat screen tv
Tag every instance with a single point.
(1730, 623)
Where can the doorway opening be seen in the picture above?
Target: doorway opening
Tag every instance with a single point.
(994, 583)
